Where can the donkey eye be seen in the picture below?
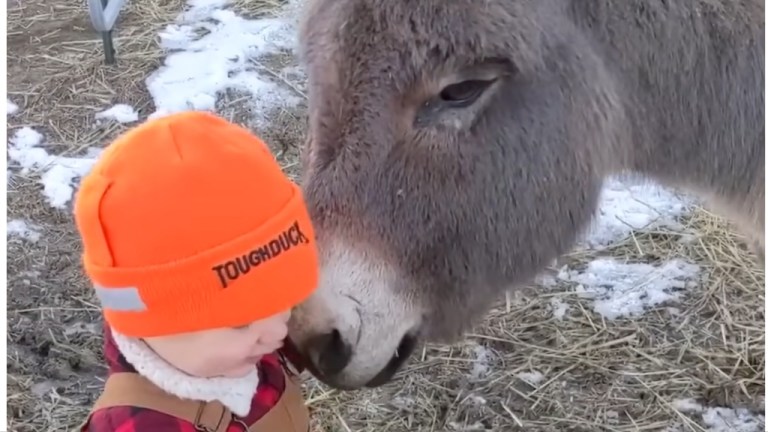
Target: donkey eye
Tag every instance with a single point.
(464, 93)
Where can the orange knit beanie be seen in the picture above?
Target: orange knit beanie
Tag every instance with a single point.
(188, 224)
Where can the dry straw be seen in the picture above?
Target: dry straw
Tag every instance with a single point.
(596, 375)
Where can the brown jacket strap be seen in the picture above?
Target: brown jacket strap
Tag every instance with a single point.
(290, 413)
(131, 389)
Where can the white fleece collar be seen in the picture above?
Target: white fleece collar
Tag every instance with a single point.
(235, 393)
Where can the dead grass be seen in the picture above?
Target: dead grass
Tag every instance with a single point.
(620, 375)
(57, 76)
(57, 72)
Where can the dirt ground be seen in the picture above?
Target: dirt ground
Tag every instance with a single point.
(622, 375)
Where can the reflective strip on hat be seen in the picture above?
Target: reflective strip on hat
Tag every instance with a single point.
(124, 299)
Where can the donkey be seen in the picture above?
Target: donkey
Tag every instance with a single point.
(456, 148)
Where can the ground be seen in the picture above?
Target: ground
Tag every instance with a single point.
(655, 323)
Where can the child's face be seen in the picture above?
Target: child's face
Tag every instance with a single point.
(230, 352)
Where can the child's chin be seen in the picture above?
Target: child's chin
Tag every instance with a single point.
(241, 372)
(253, 360)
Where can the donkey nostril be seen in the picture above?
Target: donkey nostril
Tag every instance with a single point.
(406, 346)
(333, 354)
(404, 350)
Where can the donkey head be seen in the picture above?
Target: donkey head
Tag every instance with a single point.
(454, 150)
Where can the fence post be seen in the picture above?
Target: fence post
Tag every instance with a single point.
(103, 17)
(106, 37)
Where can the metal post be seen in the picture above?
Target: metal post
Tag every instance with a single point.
(106, 37)
(104, 14)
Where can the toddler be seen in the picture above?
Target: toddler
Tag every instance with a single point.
(197, 247)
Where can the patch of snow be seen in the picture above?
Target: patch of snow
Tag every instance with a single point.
(627, 205)
(29, 273)
(480, 365)
(24, 149)
(532, 378)
(59, 173)
(687, 405)
(212, 50)
(546, 280)
(687, 238)
(80, 327)
(12, 107)
(611, 417)
(201, 9)
(732, 420)
(719, 419)
(673, 311)
(559, 309)
(628, 289)
(43, 388)
(120, 113)
(474, 427)
(27, 231)
(477, 400)
(403, 402)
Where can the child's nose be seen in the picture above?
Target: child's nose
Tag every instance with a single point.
(276, 332)
(285, 316)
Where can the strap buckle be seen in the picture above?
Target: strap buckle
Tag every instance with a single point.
(209, 417)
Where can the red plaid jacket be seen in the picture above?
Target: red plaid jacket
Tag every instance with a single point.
(130, 419)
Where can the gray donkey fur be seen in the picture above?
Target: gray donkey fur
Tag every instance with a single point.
(457, 147)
